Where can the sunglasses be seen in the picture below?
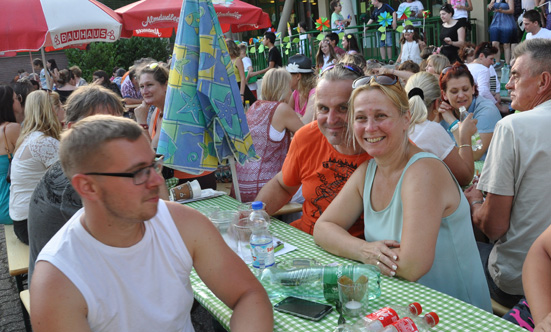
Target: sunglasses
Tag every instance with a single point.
(379, 79)
(353, 68)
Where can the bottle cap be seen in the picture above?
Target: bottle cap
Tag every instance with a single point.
(195, 188)
(417, 307)
(431, 318)
(258, 205)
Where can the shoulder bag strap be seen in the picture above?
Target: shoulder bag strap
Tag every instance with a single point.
(7, 144)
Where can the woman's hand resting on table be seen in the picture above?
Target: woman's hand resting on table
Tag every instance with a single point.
(380, 253)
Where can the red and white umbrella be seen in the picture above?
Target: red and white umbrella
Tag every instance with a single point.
(34, 24)
(158, 18)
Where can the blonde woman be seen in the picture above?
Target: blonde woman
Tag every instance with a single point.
(271, 121)
(417, 219)
(35, 150)
(436, 63)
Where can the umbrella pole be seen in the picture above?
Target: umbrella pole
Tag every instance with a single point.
(32, 66)
(231, 159)
(46, 71)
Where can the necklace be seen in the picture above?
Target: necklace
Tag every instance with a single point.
(409, 47)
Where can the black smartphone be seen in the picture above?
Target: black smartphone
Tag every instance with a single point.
(303, 308)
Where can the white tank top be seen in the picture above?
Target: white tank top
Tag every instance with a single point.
(410, 51)
(145, 287)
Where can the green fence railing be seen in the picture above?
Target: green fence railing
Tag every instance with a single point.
(307, 43)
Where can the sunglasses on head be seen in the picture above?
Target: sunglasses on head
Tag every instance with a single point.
(379, 79)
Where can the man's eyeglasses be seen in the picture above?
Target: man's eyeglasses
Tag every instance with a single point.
(379, 79)
(353, 68)
(140, 176)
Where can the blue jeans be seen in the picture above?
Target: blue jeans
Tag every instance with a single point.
(389, 40)
(497, 294)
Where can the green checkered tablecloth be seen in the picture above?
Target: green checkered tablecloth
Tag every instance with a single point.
(455, 315)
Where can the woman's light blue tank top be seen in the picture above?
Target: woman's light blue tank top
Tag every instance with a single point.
(457, 268)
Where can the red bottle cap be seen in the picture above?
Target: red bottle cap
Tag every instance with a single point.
(415, 308)
(432, 316)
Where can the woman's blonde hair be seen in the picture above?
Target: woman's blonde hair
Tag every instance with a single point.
(438, 62)
(40, 116)
(394, 92)
(276, 85)
(54, 99)
(418, 106)
(307, 82)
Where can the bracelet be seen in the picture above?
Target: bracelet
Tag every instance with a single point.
(464, 145)
(242, 94)
(477, 202)
(145, 126)
(453, 127)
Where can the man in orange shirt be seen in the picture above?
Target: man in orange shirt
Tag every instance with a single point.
(321, 157)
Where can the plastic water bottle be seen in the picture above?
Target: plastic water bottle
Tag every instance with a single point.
(247, 106)
(262, 245)
(318, 282)
(503, 80)
(383, 317)
(418, 324)
(476, 141)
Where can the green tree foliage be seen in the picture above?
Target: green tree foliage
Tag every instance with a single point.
(122, 53)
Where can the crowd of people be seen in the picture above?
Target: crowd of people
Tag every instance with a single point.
(413, 206)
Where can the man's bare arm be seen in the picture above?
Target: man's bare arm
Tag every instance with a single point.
(275, 194)
(493, 216)
(56, 303)
(224, 273)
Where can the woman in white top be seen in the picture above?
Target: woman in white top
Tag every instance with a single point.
(411, 46)
(36, 150)
(425, 131)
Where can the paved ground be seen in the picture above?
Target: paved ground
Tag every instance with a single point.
(11, 318)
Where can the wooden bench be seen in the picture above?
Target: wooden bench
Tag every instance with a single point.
(26, 300)
(498, 309)
(18, 253)
(18, 265)
(288, 209)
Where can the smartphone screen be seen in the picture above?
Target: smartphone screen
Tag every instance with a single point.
(303, 308)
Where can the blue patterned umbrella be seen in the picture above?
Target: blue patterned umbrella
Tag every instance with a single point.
(204, 121)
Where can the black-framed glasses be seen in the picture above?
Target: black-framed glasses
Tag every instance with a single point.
(386, 79)
(351, 67)
(140, 176)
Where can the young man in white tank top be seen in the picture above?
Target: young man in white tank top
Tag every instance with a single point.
(122, 263)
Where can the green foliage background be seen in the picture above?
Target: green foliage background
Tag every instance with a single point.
(122, 53)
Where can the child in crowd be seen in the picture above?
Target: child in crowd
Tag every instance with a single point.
(411, 45)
